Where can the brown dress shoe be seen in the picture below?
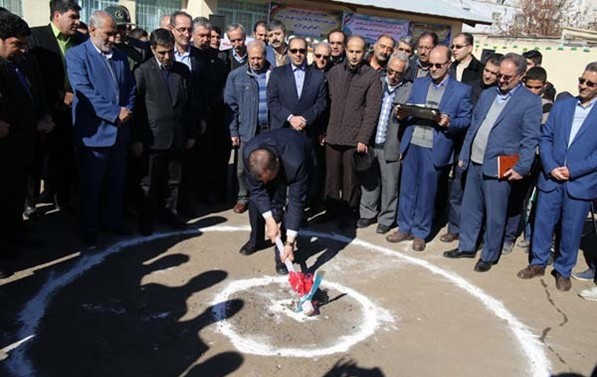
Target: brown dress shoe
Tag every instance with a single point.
(399, 237)
(240, 207)
(418, 244)
(562, 284)
(531, 271)
(449, 237)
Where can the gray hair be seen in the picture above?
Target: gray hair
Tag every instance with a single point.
(519, 61)
(408, 40)
(591, 67)
(98, 18)
(323, 44)
(233, 27)
(256, 44)
(399, 55)
(203, 22)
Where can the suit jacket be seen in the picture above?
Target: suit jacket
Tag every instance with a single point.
(473, 72)
(21, 112)
(44, 47)
(580, 157)
(394, 132)
(283, 100)
(270, 56)
(456, 103)
(293, 150)
(161, 120)
(198, 75)
(516, 130)
(98, 99)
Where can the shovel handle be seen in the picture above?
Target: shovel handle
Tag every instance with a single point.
(287, 262)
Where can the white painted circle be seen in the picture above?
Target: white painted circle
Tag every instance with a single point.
(371, 320)
(18, 363)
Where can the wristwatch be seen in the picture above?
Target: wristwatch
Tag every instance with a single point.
(288, 243)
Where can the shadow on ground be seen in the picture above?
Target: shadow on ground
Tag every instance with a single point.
(349, 368)
(109, 323)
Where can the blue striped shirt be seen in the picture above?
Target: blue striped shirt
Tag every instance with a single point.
(384, 115)
(261, 78)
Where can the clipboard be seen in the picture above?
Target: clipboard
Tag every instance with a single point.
(419, 111)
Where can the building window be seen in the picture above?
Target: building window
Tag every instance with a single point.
(89, 6)
(13, 6)
(242, 12)
(149, 12)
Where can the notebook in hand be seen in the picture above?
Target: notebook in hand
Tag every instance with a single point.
(506, 163)
(420, 111)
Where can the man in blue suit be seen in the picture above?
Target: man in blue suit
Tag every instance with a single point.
(296, 93)
(427, 146)
(276, 162)
(506, 121)
(104, 96)
(568, 181)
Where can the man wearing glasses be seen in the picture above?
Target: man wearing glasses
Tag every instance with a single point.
(427, 41)
(506, 122)
(427, 146)
(181, 25)
(569, 181)
(466, 67)
(321, 57)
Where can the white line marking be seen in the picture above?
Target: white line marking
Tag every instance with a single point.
(20, 366)
(372, 318)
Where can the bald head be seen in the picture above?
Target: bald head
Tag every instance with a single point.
(439, 62)
(263, 165)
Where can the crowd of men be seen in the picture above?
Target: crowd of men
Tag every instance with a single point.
(125, 121)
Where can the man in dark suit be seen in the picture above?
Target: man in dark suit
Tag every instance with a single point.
(213, 149)
(21, 112)
(427, 146)
(568, 182)
(164, 127)
(296, 93)
(506, 122)
(379, 186)
(55, 153)
(276, 162)
(181, 25)
(104, 89)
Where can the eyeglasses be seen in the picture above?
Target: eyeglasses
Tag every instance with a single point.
(319, 56)
(458, 47)
(505, 78)
(297, 50)
(183, 30)
(391, 72)
(405, 50)
(438, 65)
(589, 83)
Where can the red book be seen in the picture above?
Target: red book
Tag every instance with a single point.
(506, 163)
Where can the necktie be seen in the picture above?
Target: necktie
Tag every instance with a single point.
(23, 81)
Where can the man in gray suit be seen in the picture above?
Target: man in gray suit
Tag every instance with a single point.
(381, 180)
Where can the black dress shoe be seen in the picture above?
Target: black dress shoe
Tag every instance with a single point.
(382, 229)
(248, 249)
(483, 266)
(281, 269)
(456, 254)
(364, 223)
(29, 242)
